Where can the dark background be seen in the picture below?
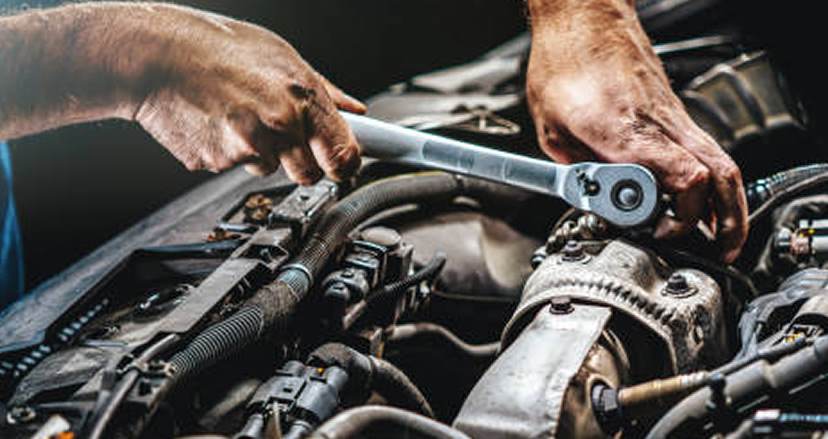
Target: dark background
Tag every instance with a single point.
(78, 186)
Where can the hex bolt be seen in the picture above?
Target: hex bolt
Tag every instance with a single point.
(573, 251)
(561, 305)
(677, 285)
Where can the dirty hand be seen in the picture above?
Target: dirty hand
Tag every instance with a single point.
(597, 91)
(225, 92)
(214, 91)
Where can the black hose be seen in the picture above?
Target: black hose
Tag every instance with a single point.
(367, 373)
(271, 307)
(770, 353)
(742, 387)
(383, 421)
(764, 194)
(395, 386)
(432, 331)
(393, 290)
(357, 207)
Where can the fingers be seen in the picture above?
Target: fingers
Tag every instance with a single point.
(729, 201)
(330, 139)
(300, 165)
(302, 130)
(692, 169)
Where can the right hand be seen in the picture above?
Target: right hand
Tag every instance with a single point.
(217, 92)
(597, 91)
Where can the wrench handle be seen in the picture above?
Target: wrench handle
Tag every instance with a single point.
(623, 194)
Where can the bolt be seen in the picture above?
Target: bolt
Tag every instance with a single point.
(561, 305)
(538, 257)
(573, 251)
(21, 415)
(677, 285)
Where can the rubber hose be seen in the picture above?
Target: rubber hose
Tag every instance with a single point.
(383, 422)
(766, 193)
(743, 386)
(367, 373)
(394, 385)
(391, 291)
(212, 345)
(432, 331)
(271, 307)
(760, 191)
(360, 205)
(268, 309)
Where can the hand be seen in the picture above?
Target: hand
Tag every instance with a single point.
(597, 91)
(224, 92)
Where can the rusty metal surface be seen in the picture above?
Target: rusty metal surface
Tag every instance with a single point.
(634, 282)
(522, 395)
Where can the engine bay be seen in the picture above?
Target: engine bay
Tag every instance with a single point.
(410, 302)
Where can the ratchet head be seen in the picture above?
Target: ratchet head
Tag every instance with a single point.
(625, 195)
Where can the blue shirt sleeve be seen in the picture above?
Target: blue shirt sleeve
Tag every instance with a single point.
(11, 251)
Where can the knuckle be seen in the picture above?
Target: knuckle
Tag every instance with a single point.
(692, 175)
(730, 172)
(193, 165)
(697, 175)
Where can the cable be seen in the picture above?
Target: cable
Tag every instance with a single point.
(391, 291)
(103, 415)
(370, 373)
(767, 193)
(383, 422)
(410, 331)
(743, 386)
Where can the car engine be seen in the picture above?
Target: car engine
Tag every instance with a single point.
(410, 302)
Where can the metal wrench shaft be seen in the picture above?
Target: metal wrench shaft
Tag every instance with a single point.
(623, 194)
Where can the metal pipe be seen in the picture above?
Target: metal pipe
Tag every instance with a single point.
(383, 422)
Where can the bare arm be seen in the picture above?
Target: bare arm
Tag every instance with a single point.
(597, 91)
(214, 91)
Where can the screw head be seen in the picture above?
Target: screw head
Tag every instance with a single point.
(678, 286)
(561, 305)
(573, 251)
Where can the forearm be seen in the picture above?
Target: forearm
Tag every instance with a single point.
(84, 62)
(593, 13)
(577, 33)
